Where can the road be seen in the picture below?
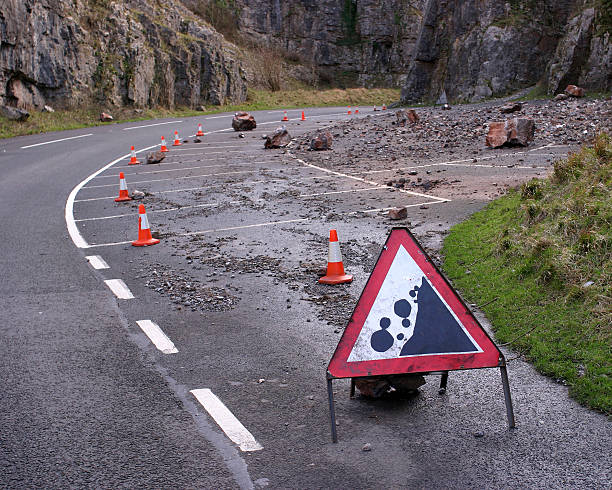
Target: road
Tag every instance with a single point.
(88, 398)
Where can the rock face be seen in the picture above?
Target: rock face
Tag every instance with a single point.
(476, 49)
(365, 42)
(113, 53)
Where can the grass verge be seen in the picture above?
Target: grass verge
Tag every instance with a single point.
(539, 260)
(41, 122)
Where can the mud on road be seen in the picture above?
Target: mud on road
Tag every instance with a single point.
(234, 284)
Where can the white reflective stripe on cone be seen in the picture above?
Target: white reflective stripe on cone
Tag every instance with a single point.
(334, 252)
(122, 185)
(144, 222)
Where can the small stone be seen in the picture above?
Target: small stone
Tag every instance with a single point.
(241, 135)
(138, 194)
(104, 117)
(155, 157)
(201, 108)
(560, 97)
(197, 140)
(446, 107)
(398, 213)
(48, 108)
(511, 107)
(260, 380)
(366, 447)
(322, 141)
(479, 434)
(279, 139)
(588, 284)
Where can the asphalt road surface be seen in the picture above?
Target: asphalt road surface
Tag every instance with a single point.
(205, 367)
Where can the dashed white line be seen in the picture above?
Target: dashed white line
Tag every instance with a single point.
(167, 210)
(226, 420)
(120, 289)
(57, 141)
(151, 125)
(157, 336)
(97, 262)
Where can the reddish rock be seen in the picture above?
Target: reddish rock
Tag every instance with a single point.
(104, 117)
(279, 139)
(574, 91)
(243, 121)
(398, 213)
(403, 116)
(322, 141)
(513, 132)
(372, 386)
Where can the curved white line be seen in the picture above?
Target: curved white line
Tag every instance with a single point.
(73, 229)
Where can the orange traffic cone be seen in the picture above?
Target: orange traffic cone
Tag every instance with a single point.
(200, 132)
(384, 107)
(335, 268)
(303, 116)
(349, 111)
(356, 110)
(163, 148)
(285, 118)
(133, 160)
(177, 141)
(123, 190)
(144, 230)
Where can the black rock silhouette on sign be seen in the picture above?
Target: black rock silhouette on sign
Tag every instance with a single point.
(435, 330)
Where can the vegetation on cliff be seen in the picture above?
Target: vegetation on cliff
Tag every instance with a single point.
(539, 260)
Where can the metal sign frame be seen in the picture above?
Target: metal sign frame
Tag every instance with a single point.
(403, 365)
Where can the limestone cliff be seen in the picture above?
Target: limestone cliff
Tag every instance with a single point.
(476, 49)
(131, 52)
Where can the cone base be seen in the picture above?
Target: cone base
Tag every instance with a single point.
(122, 199)
(164, 150)
(177, 144)
(199, 133)
(134, 163)
(145, 243)
(340, 279)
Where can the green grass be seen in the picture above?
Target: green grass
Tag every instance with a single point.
(531, 255)
(41, 122)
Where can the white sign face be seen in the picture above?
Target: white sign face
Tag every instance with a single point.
(390, 325)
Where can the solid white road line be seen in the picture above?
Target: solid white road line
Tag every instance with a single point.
(151, 125)
(226, 420)
(97, 262)
(174, 170)
(73, 230)
(427, 203)
(57, 141)
(377, 188)
(157, 336)
(149, 211)
(120, 289)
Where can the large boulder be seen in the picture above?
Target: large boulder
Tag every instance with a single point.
(243, 121)
(13, 113)
(518, 131)
(155, 157)
(279, 139)
(322, 141)
(408, 115)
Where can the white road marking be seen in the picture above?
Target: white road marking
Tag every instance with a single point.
(377, 188)
(56, 141)
(175, 170)
(215, 230)
(175, 178)
(151, 125)
(226, 420)
(172, 149)
(149, 211)
(73, 230)
(405, 206)
(370, 182)
(97, 262)
(120, 289)
(157, 336)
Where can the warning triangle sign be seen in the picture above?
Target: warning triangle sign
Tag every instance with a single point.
(409, 319)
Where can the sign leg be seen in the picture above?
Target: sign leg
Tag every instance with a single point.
(352, 388)
(443, 382)
(508, 399)
(332, 410)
